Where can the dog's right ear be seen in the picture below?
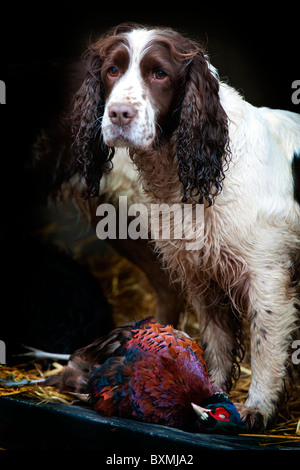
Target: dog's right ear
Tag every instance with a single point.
(202, 135)
(93, 156)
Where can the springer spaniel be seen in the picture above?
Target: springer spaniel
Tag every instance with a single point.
(153, 95)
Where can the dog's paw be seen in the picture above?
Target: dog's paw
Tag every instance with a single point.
(252, 417)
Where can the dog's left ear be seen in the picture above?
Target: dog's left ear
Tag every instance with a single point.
(93, 156)
(202, 134)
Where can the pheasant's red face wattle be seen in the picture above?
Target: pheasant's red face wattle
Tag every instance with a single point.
(220, 414)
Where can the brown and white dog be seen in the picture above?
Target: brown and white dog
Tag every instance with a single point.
(153, 95)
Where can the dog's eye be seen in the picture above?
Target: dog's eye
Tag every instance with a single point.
(113, 71)
(160, 75)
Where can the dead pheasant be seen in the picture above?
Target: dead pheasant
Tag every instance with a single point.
(152, 373)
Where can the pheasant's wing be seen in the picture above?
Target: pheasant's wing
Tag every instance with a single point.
(75, 374)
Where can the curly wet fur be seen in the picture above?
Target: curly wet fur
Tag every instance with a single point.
(202, 132)
(94, 156)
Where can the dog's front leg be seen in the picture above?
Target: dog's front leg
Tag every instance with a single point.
(220, 336)
(272, 321)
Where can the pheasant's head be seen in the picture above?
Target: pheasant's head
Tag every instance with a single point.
(218, 415)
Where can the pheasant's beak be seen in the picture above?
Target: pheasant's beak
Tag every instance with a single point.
(201, 412)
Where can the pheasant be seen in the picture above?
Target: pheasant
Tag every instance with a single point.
(151, 373)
